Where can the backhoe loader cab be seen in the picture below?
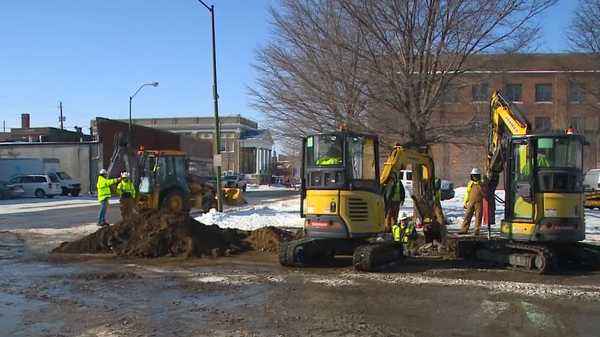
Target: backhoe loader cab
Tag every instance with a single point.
(163, 181)
(543, 184)
(340, 186)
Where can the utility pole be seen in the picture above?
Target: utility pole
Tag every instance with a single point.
(3, 125)
(217, 142)
(61, 118)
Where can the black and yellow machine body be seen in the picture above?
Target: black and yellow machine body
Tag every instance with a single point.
(544, 200)
(343, 204)
(340, 193)
(544, 190)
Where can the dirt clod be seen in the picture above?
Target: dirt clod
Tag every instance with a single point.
(155, 234)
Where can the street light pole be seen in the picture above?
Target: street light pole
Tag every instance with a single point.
(211, 9)
(130, 134)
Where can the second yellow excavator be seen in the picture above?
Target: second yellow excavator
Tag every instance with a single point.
(343, 204)
(543, 176)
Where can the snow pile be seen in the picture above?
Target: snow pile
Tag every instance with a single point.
(276, 213)
(43, 240)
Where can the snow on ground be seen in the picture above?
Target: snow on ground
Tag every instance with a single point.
(24, 205)
(254, 187)
(283, 212)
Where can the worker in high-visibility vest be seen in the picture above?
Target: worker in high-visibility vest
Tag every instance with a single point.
(103, 188)
(395, 196)
(126, 192)
(406, 233)
(473, 203)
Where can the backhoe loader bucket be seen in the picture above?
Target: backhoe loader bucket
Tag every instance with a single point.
(233, 196)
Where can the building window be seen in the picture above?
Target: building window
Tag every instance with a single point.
(514, 92)
(576, 122)
(450, 94)
(543, 124)
(480, 92)
(576, 93)
(543, 92)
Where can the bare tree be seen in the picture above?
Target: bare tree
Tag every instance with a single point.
(382, 66)
(584, 31)
(306, 83)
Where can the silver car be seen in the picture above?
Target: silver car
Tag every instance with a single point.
(37, 185)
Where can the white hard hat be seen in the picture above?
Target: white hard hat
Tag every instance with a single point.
(404, 216)
(103, 171)
(125, 175)
(475, 170)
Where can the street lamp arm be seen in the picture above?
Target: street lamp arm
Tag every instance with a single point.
(154, 84)
(210, 8)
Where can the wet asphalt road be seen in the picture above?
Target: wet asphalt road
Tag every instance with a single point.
(251, 295)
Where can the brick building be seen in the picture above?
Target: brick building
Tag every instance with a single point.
(554, 91)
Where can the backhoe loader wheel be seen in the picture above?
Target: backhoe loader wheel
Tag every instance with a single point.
(173, 202)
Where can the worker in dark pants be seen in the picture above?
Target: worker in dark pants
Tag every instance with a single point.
(103, 188)
(396, 195)
(126, 193)
(473, 202)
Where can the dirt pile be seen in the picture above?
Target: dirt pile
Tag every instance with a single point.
(154, 234)
(268, 239)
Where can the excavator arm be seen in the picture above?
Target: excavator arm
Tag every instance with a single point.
(423, 195)
(505, 121)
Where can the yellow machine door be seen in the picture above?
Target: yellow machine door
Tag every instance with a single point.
(520, 207)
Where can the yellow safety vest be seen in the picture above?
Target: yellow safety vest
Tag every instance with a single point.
(126, 186)
(327, 161)
(103, 187)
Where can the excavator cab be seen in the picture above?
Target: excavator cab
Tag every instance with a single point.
(162, 182)
(340, 186)
(544, 190)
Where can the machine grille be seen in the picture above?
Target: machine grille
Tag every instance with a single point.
(358, 209)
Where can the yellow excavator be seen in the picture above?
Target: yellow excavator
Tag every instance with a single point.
(543, 176)
(343, 204)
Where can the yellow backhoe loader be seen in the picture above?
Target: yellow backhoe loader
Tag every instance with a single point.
(162, 180)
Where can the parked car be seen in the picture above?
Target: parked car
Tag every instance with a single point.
(236, 181)
(68, 185)
(8, 191)
(447, 187)
(591, 182)
(447, 190)
(37, 185)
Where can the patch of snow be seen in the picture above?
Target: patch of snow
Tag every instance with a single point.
(334, 282)
(588, 292)
(277, 213)
(253, 187)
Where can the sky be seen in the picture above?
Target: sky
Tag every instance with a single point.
(93, 54)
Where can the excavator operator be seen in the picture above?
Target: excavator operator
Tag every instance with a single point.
(473, 203)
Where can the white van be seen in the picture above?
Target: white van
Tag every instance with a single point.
(591, 182)
(37, 185)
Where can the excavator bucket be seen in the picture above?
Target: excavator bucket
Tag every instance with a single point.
(233, 196)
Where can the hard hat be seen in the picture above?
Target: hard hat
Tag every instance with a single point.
(125, 174)
(475, 170)
(103, 171)
(404, 216)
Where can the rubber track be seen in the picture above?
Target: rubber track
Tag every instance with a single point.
(548, 255)
(372, 256)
